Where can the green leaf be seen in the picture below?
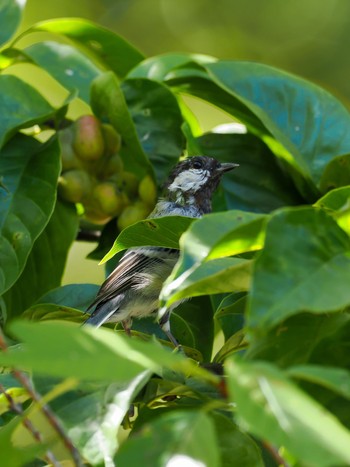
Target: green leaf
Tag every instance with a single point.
(300, 109)
(15, 456)
(157, 68)
(182, 436)
(72, 69)
(30, 171)
(274, 409)
(233, 344)
(90, 353)
(161, 231)
(246, 90)
(198, 314)
(216, 276)
(92, 414)
(10, 17)
(336, 379)
(158, 121)
(50, 311)
(230, 313)
(337, 203)
(78, 296)
(306, 246)
(45, 265)
(235, 447)
(259, 184)
(108, 103)
(107, 47)
(303, 338)
(336, 173)
(221, 234)
(22, 105)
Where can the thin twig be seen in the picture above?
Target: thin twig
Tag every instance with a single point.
(49, 456)
(275, 454)
(51, 418)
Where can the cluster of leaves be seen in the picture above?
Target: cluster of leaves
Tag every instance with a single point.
(270, 268)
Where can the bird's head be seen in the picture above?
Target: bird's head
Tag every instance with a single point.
(195, 179)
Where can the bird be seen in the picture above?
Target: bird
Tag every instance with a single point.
(132, 289)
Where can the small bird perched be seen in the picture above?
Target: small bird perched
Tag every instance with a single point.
(132, 289)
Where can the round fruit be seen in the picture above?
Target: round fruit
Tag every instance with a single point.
(74, 185)
(95, 215)
(133, 213)
(131, 183)
(108, 198)
(112, 165)
(68, 156)
(148, 190)
(88, 142)
(112, 139)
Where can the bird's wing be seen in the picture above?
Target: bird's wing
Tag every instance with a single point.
(123, 276)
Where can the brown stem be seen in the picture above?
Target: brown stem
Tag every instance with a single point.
(49, 456)
(51, 418)
(274, 453)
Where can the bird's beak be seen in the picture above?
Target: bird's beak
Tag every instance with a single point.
(226, 167)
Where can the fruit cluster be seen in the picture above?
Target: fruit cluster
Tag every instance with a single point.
(93, 175)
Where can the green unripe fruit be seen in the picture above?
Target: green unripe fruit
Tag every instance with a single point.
(148, 191)
(112, 139)
(108, 198)
(74, 185)
(112, 165)
(131, 184)
(95, 215)
(68, 156)
(133, 213)
(88, 142)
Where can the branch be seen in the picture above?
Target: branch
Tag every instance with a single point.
(274, 453)
(49, 456)
(51, 418)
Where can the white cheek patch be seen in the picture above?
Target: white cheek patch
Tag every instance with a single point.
(189, 180)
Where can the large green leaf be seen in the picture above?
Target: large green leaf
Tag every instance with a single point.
(162, 231)
(276, 410)
(336, 379)
(158, 67)
(108, 48)
(22, 105)
(198, 314)
(30, 171)
(66, 64)
(45, 265)
(78, 296)
(336, 173)
(305, 266)
(10, 17)
(230, 313)
(236, 447)
(304, 338)
(90, 354)
(108, 103)
(216, 276)
(337, 203)
(218, 235)
(201, 268)
(182, 436)
(92, 414)
(158, 120)
(259, 184)
(246, 90)
(15, 456)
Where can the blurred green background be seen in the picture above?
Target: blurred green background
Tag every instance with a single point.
(306, 37)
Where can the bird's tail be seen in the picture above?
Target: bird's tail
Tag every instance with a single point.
(99, 316)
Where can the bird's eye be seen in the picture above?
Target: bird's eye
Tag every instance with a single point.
(197, 165)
